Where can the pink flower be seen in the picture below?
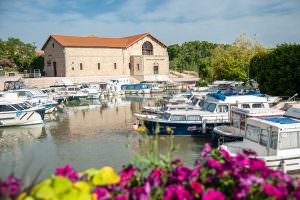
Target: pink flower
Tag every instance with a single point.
(197, 187)
(121, 197)
(249, 152)
(11, 186)
(225, 154)
(155, 177)
(271, 190)
(257, 165)
(212, 194)
(180, 173)
(242, 160)
(176, 162)
(142, 192)
(67, 171)
(214, 164)
(296, 194)
(101, 193)
(176, 192)
(205, 151)
(126, 174)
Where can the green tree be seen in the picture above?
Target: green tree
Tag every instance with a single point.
(278, 71)
(21, 54)
(191, 56)
(232, 62)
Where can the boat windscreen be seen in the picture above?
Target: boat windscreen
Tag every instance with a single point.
(18, 107)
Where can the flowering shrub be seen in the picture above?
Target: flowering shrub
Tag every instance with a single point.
(216, 175)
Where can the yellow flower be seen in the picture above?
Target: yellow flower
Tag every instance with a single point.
(168, 129)
(106, 176)
(141, 129)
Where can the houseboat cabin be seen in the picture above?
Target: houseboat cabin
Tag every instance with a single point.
(274, 139)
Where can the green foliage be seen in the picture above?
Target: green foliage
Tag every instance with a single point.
(278, 71)
(232, 62)
(215, 61)
(20, 54)
(192, 56)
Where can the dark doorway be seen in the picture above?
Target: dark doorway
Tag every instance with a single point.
(54, 69)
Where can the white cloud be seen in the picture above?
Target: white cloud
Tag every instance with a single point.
(274, 21)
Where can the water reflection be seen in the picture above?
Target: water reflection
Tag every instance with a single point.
(85, 134)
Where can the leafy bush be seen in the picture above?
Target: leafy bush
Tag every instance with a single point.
(215, 175)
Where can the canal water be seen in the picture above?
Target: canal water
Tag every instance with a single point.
(85, 135)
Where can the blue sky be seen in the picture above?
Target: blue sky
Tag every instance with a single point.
(172, 21)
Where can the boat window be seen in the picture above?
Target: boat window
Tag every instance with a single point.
(193, 118)
(245, 106)
(253, 133)
(211, 107)
(236, 118)
(274, 138)
(177, 118)
(263, 137)
(22, 93)
(201, 103)
(25, 106)
(223, 108)
(17, 107)
(166, 116)
(194, 100)
(6, 108)
(289, 140)
(258, 105)
(205, 105)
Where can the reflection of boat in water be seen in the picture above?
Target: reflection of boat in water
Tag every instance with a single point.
(140, 98)
(14, 136)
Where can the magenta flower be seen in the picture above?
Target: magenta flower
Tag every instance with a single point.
(214, 164)
(101, 193)
(155, 177)
(176, 162)
(242, 160)
(249, 152)
(212, 194)
(240, 192)
(296, 193)
(142, 192)
(177, 192)
(225, 154)
(257, 165)
(205, 151)
(121, 197)
(10, 187)
(67, 171)
(197, 187)
(126, 174)
(180, 173)
(271, 190)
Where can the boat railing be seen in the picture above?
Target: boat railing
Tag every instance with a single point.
(285, 164)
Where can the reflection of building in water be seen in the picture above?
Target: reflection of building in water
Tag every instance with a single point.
(84, 120)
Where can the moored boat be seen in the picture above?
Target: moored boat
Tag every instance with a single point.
(214, 111)
(274, 139)
(20, 113)
(140, 88)
(238, 116)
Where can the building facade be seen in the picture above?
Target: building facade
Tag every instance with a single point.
(142, 56)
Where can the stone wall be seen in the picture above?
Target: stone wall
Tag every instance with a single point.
(54, 52)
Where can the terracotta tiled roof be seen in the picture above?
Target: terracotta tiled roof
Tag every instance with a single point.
(93, 41)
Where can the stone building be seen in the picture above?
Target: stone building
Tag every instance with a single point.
(142, 56)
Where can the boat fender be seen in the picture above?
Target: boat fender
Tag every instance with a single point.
(134, 127)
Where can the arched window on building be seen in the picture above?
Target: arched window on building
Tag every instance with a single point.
(147, 48)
